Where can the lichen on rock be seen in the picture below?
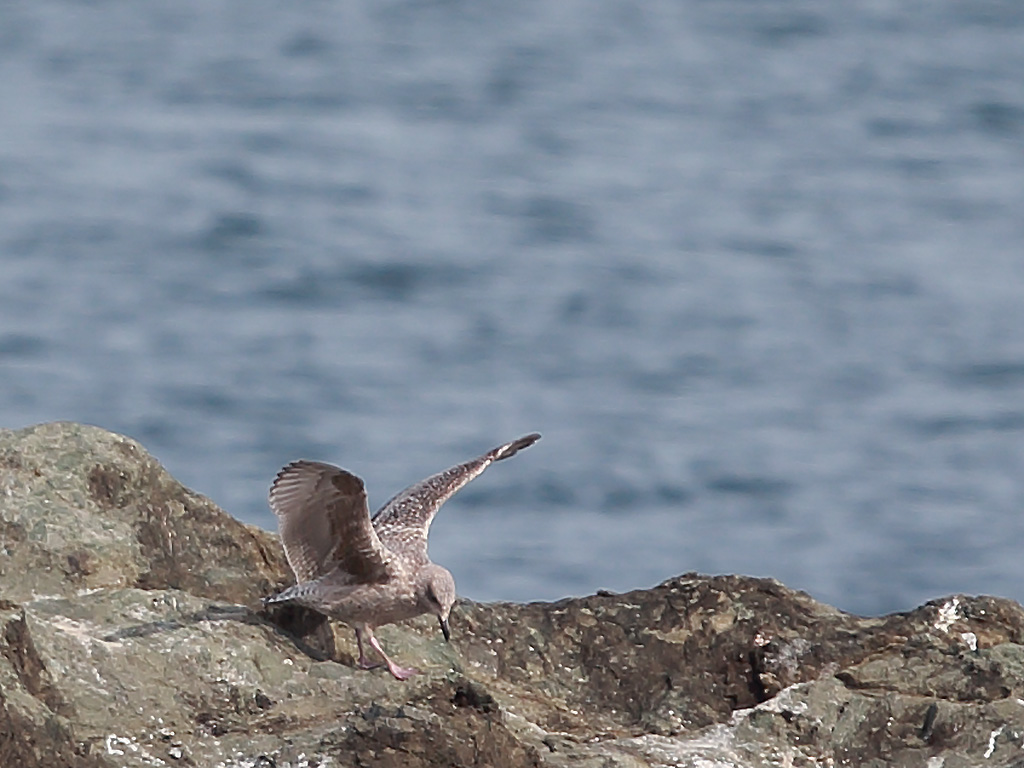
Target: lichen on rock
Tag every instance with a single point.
(130, 635)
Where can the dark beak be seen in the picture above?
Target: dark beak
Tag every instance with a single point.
(444, 629)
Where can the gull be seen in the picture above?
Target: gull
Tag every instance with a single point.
(361, 570)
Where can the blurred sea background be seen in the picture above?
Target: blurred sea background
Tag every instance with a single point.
(755, 270)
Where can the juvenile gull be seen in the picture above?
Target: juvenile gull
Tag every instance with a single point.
(368, 572)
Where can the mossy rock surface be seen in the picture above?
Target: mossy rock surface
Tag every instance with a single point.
(131, 635)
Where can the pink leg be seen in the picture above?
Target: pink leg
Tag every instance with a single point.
(364, 663)
(399, 673)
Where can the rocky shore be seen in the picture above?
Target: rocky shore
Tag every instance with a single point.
(131, 635)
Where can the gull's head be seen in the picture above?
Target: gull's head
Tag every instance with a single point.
(438, 595)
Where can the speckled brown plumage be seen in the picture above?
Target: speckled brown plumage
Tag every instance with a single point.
(368, 572)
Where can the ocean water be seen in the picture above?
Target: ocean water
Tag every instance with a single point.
(755, 271)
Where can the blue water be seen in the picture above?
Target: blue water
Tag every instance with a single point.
(755, 270)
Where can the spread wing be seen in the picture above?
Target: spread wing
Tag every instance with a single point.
(324, 522)
(403, 523)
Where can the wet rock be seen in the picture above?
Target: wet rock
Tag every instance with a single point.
(130, 635)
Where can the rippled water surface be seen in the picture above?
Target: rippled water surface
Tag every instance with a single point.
(755, 270)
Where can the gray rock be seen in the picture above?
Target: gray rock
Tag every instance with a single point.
(129, 636)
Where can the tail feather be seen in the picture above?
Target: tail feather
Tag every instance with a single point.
(286, 595)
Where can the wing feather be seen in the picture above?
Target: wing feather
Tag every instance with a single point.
(404, 522)
(324, 523)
